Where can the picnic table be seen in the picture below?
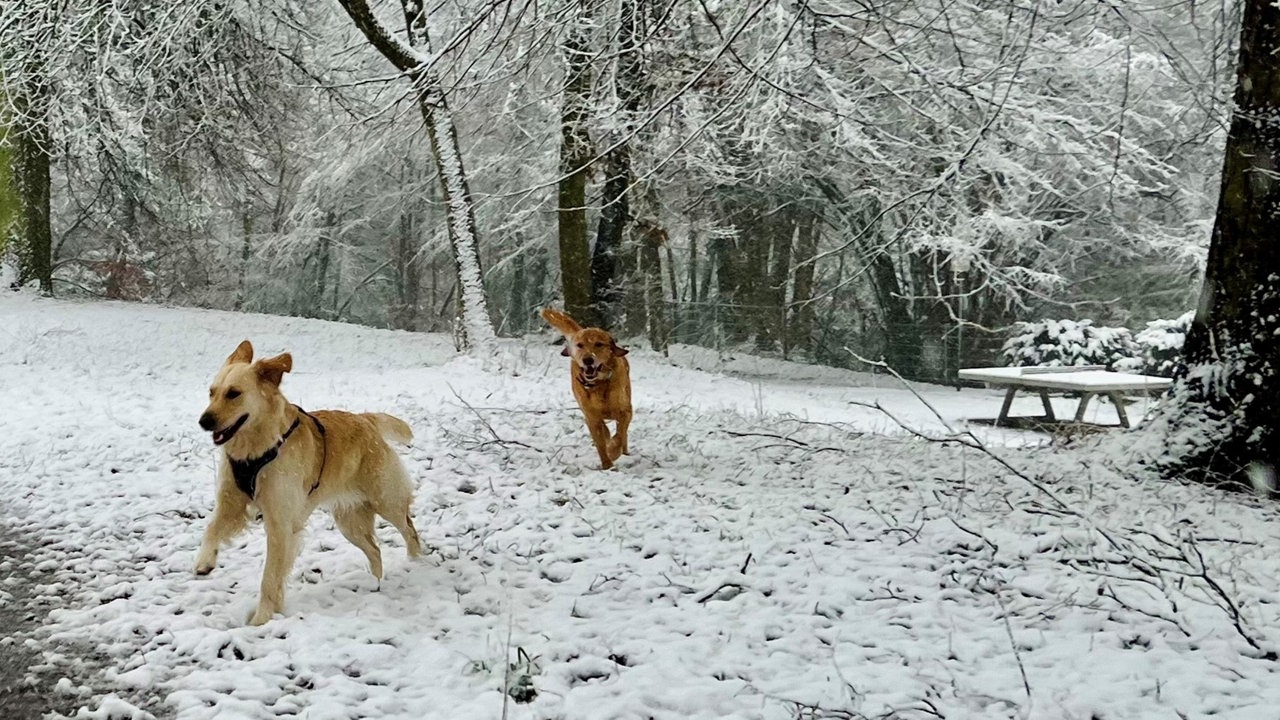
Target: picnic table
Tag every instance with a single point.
(1089, 381)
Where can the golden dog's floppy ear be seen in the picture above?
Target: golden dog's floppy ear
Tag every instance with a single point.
(617, 349)
(272, 370)
(243, 353)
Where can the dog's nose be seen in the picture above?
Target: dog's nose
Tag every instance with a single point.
(207, 422)
(588, 361)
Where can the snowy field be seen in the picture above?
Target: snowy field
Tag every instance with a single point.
(770, 550)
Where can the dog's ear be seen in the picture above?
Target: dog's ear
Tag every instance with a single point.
(272, 370)
(243, 353)
(565, 351)
(618, 350)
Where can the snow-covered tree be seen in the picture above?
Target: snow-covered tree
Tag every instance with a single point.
(413, 58)
(1229, 401)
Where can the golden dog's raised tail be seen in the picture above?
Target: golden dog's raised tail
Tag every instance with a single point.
(560, 321)
(391, 427)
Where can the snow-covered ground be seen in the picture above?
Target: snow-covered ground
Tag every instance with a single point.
(769, 551)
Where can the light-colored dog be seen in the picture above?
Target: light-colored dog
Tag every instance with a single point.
(283, 462)
(601, 380)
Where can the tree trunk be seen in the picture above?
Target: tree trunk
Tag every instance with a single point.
(576, 263)
(756, 236)
(903, 344)
(1229, 403)
(800, 322)
(246, 252)
(517, 312)
(783, 233)
(606, 287)
(31, 146)
(9, 204)
(615, 210)
(536, 295)
(693, 263)
(725, 318)
(472, 326)
(408, 273)
(651, 239)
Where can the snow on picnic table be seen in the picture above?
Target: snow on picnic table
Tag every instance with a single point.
(766, 552)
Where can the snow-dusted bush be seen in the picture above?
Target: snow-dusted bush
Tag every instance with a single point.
(1059, 343)
(1160, 347)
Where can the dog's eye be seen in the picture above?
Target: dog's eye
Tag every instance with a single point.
(580, 345)
(599, 344)
(232, 394)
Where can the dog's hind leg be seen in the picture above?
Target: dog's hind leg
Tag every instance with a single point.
(402, 520)
(396, 506)
(356, 524)
(229, 519)
(618, 443)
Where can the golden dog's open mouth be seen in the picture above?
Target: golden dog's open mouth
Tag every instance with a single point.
(225, 434)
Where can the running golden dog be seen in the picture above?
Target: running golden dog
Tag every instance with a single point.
(283, 462)
(601, 378)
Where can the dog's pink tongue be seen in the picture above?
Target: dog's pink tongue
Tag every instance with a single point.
(217, 438)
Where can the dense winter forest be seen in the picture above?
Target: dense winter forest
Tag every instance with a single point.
(905, 178)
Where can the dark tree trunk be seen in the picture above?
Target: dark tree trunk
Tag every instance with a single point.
(32, 145)
(246, 252)
(723, 249)
(903, 345)
(800, 322)
(606, 287)
(757, 237)
(615, 210)
(1230, 401)
(408, 273)
(652, 238)
(693, 263)
(775, 312)
(576, 262)
(518, 312)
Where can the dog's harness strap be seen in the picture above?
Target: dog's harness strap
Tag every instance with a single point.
(324, 446)
(246, 471)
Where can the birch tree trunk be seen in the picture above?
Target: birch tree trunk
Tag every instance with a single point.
(1229, 402)
(472, 326)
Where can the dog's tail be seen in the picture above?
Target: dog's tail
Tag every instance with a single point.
(392, 428)
(560, 321)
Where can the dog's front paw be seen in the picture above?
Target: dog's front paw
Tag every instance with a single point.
(261, 616)
(206, 561)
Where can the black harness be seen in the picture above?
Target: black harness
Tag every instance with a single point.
(246, 471)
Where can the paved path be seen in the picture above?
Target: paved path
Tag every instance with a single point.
(23, 694)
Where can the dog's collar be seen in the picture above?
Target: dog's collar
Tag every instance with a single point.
(246, 471)
(588, 384)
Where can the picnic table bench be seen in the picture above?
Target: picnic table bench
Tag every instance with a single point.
(1089, 381)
